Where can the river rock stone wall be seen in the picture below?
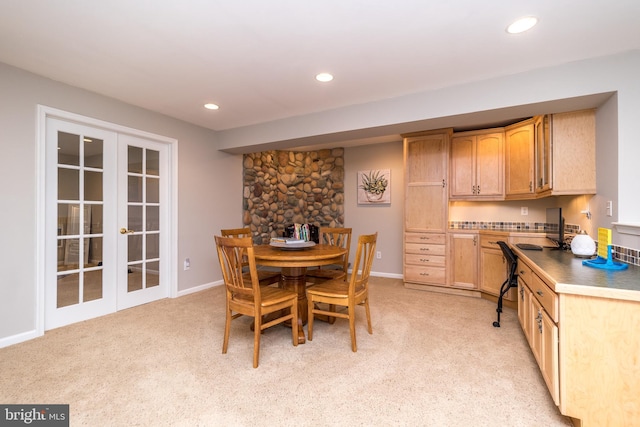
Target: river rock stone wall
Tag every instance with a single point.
(285, 187)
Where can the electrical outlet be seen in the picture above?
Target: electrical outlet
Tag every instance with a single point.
(187, 263)
(524, 210)
(379, 255)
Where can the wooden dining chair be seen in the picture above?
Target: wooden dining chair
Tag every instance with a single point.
(350, 293)
(248, 298)
(336, 237)
(265, 277)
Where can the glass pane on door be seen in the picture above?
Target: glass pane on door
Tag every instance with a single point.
(143, 220)
(80, 207)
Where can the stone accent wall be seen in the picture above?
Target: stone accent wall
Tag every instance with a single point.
(285, 187)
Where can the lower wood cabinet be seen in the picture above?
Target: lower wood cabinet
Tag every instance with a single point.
(463, 260)
(524, 308)
(424, 258)
(493, 266)
(582, 337)
(538, 317)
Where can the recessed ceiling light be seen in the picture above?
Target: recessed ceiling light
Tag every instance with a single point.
(211, 106)
(324, 77)
(522, 25)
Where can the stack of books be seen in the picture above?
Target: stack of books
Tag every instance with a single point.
(286, 240)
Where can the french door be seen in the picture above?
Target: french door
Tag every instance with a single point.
(107, 244)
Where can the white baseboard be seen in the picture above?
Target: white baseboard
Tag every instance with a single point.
(199, 288)
(387, 275)
(21, 337)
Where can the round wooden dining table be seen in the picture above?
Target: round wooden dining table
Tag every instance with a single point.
(293, 264)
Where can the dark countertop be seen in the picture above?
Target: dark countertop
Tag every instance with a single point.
(505, 231)
(566, 272)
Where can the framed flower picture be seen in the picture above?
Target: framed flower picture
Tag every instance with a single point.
(374, 187)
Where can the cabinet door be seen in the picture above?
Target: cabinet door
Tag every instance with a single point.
(549, 356)
(543, 153)
(520, 161)
(426, 202)
(425, 207)
(524, 301)
(489, 165)
(573, 146)
(463, 260)
(535, 336)
(463, 167)
(493, 270)
(426, 158)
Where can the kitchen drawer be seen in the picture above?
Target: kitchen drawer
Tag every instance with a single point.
(424, 259)
(539, 289)
(491, 241)
(548, 299)
(525, 273)
(430, 238)
(418, 274)
(417, 248)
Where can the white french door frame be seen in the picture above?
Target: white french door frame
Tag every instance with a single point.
(43, 113)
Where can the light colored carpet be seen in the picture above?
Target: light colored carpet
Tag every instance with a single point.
(433, 360)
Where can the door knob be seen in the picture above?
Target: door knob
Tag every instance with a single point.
(126, 231)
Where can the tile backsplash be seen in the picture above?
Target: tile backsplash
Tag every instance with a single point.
(498, 225)
(620, 253)
(628, 255)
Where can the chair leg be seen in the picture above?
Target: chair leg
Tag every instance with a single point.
(366, 308)
(227, 327)
(503, 290)
(332, 319)
(310, 320)
(294, 323)
(352, 327)
(256, 340)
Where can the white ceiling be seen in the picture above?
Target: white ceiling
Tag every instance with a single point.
(257, 58)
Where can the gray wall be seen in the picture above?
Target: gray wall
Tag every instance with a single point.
(209, 187)
(385, 219)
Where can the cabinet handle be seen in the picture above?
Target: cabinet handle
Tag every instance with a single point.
(539, 319)
(539, 292)
(493, 243)
(475, 240)
(424, 238)
(424, 249)
(530, 186)
(522, 272)
(522, 294)
(478, 190)
(424, 274)
(443, 184)
(424, 259)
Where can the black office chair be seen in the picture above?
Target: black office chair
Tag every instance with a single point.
(512, 276)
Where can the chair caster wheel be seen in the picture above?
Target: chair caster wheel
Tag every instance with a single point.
(496, 324)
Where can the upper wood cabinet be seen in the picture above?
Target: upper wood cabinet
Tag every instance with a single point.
(543, 154)
(573, 154)
(551, 155)
(477, 166)
(426, 159)
(520, 160)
